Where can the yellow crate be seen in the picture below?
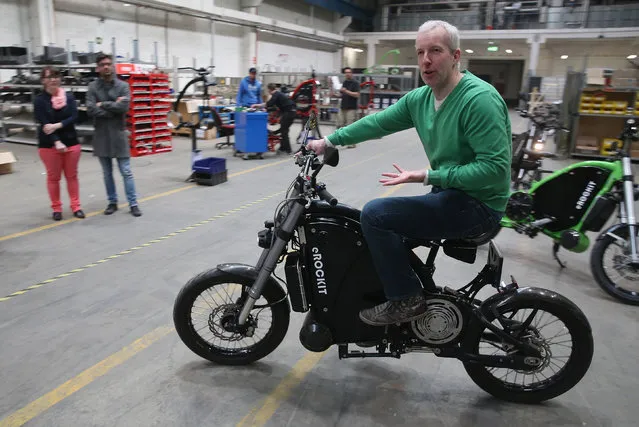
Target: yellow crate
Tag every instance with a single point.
(606, 146)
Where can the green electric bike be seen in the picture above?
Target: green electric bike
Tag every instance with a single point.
(568, 203)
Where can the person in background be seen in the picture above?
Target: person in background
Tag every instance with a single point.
(55, 113)
(286, 106)
(350, 100)
(108, 102)
(250, 91)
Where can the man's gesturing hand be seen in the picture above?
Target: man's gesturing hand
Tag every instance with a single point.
(402, 177)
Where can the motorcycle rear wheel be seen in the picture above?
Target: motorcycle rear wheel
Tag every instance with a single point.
(575, 364)
(227, 347)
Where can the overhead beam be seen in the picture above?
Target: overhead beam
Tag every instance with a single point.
(572, 33)
(236, 17)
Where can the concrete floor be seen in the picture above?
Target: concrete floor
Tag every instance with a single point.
(95, 345)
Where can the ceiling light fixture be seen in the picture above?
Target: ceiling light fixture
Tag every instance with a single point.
(631, 56)
(470, 51)
(358, 50)
(508, 51)
(126, 4)
(564, 56)
(491, 42)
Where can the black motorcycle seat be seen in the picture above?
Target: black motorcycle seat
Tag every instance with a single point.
(469, 242)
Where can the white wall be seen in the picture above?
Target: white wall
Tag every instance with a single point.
(10, 30)
(184, 37)
(297, 12)
(305, 55)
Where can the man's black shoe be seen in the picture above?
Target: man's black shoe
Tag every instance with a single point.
(391, 312)
(79, 214)
(57, 216)
(135, 211)
(110, 209)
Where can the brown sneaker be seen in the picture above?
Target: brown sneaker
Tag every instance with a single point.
(391, 312)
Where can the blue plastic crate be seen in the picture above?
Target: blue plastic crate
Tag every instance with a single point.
(210, 165)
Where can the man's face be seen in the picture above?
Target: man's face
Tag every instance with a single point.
(105, 68)
(436, 61)
(348, 74)
(252, 75)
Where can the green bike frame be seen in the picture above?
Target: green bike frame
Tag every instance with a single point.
(616, 175)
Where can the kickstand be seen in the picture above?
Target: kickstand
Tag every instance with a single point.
(555, 249)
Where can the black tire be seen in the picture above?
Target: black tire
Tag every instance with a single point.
(184, 323)
(567, 377)
(600, 275)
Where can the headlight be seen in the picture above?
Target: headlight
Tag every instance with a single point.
(538, 146)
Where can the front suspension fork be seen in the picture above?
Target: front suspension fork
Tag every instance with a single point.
(629, 198)
(268, 259)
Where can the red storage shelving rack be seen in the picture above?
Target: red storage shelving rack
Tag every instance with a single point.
(147, 122)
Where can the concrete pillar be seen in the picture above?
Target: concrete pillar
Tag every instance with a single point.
(42, 24)
(338, 60)
(46, 21)
(248, 57)
(370, 52)
(533, 58)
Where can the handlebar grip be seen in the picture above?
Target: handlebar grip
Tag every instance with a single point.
(326, 196)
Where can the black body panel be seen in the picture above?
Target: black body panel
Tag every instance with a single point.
(568, 196)
(341, 277)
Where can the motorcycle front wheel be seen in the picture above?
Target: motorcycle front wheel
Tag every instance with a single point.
(611, 265)
(565, 342)
(204, 314)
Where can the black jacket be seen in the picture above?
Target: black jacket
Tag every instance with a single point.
(281, 101)
(45, 114)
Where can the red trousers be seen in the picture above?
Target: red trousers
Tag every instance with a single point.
(56, 162)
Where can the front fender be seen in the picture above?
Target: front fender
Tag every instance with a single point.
(501, 302)
(250, 272)
(612, 230)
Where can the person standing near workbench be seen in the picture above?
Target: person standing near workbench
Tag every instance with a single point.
(350, 100)
(250, 90)
(287, 109)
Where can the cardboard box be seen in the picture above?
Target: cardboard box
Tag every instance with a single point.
(595, 76)
(623, 82)
(7, 159)
(206, 133)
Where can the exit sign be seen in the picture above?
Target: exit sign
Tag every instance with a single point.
(492, 48)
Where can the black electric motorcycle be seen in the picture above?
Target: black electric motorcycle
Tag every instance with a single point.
(520, 344)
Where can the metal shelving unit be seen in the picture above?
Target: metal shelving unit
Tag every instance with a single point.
(17, 123)
(592, 127)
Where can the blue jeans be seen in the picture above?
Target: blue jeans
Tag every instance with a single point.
(441, 214)
(124, 164)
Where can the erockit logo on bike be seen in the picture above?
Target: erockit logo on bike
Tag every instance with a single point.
(585, 195)
(320, 276)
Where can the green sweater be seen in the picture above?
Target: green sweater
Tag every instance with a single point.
(467, 140)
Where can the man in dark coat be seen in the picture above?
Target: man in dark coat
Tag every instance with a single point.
(107, 103)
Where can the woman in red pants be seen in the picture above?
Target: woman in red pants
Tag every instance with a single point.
(56, 113)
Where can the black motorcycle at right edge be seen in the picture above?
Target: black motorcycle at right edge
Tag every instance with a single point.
(520, 344)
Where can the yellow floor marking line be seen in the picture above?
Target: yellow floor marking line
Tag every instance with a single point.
(142, 200)
(260, 415)
(38, 406)
(131, 250)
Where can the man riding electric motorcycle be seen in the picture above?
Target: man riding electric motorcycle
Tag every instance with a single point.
(464, 127)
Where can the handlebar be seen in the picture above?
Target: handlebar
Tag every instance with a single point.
(201, 71)
(323, 194)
